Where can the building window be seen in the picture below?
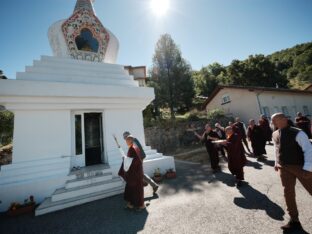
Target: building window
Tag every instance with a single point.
(78, 135)
(276, 109)
(225, 99)
(266, 111)
(285, 110)
(305, 110)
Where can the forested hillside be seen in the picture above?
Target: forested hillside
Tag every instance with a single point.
(289, 68)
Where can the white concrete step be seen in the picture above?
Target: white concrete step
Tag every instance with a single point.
(89, 171)
(49, 206)
(88, 180)
(153, 156)
(79, 63)
(147, 147)
(73, 79)
(80, 67)
(150, 151)
(91, 74)
(63, 193)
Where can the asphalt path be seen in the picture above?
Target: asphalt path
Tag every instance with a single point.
(197, 201)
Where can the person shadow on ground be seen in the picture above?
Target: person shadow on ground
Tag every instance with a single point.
(296, 232)
(255, 165)
(253, 199)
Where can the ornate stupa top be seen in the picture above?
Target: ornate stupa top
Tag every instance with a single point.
(82, 36)
(84, 4)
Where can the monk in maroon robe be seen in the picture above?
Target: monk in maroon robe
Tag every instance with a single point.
(132, 172)
(236, 156)
(266, 129)
(256, 137)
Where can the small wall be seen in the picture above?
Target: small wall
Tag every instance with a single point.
(169, 139)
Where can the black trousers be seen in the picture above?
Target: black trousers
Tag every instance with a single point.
(214, 158)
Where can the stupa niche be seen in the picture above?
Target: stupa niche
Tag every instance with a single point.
(82, 36)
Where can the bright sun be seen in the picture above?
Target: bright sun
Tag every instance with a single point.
(160, 7)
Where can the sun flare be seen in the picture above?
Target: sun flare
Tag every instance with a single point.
(160, 7)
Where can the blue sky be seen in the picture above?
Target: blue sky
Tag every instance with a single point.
(206, 31)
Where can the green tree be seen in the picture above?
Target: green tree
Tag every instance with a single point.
(171, 75)
(257, 70)
(6, 127)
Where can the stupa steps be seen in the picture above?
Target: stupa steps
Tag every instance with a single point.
(63, 193)
(153, 156)
(80, 72)
(80, 67)
(89, 171)
(87, 181)
(48, 206)
(85, 63)
(70, 78)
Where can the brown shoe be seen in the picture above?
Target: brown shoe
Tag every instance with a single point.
(292, 226)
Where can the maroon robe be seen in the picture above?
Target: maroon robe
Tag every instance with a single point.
(236, 156)
(256, 136)
(134, 190)
(267, 131)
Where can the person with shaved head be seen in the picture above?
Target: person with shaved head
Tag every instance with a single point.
(293, 161)
(236, 155)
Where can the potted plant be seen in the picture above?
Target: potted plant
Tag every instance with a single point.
(157, 176)
(17, 209)
(171, 174)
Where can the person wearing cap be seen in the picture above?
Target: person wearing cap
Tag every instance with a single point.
(142, 154)
(293, 152)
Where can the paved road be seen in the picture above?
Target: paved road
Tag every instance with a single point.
(196, 202)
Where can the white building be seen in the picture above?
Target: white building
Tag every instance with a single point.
(251, 102)
(66, 110)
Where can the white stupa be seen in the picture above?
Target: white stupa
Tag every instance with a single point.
(66, 109)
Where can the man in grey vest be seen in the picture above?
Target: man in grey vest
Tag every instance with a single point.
(293, 161)
(146, 178)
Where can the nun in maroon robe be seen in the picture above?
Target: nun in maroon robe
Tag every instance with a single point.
(266, 129)
(257, 138)
(131, 171)
(236, 156)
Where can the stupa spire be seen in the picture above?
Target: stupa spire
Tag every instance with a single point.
(84, 4)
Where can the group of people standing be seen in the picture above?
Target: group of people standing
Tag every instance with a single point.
(293, 151)
(230, 139)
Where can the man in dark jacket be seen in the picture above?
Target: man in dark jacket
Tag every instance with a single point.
(293, 161)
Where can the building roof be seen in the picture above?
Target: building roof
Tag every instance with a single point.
(254, 88)
(309, 87)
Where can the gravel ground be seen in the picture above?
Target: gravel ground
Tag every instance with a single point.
(196, 202)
